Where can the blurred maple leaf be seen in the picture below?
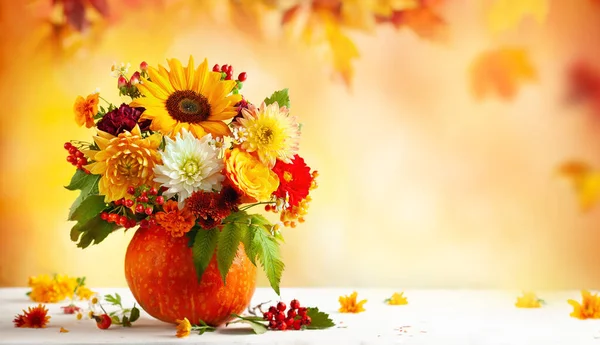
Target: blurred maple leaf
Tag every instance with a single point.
(584, 84)
(422, 19)
(507, 14)
(585, 182)
(247, 15)
(501, 71)
(75, 11)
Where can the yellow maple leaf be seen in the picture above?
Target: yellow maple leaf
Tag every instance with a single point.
(507, 14)
(501, 71)
(343, 50)
(585, 182)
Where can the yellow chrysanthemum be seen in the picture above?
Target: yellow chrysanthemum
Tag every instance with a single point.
(46, 289)
(185, 97)
(589, 307)
(123, 161)
(183, 328)
(348, 304)
(84, 292)
(270, 132)
(528, 300)
(397, 299)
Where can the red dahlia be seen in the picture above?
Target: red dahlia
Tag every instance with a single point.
(294, 180)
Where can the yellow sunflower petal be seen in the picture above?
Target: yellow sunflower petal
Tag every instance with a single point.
(189, 74)
(163, 82)
(217, 128)
(198, 131)
(149, 89)
(201, 75)
(176, 75)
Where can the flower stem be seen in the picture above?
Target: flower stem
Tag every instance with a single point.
(256, 204)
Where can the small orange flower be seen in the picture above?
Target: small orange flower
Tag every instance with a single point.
(528, 300)
(86, 109)
(589, 307)
(32, 318)
(183, 328)
(177, 222)
(348, 304)
(397, 299)
(63, 330)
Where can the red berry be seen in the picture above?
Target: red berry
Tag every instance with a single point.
(297, 324)
(119, 202)
(302, 312)
(268, 316)
(144, 65)
(281, 306)
(104, 216)
(228, 76)
(113, 217)
(86, 171)
(78, 154)
(306, 320)
(143, 198)
(103, 321)
(294, 304)
(160, 200)
(273, 310)
(128, 202)
(131, 190)
(280, 316)
(67, 145)
(224, 68)
(123, 220)
(121, 82)
(229, 69)
(282, 326)
(139, 208)
(71, 159)
(273, 324)
(242, 77)
(289, 322)
(131, 223)
(291, 313)
(148, 210)
(144, 223)
(216, 68)
(73, 150)
(152, 191)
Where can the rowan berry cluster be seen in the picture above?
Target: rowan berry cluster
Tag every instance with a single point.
(294, 319)
(76, 157)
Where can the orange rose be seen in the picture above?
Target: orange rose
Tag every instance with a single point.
(86, 109)
(251, 177)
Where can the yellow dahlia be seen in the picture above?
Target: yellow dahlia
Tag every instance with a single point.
(185, 97)
(123, 161)
(270, 132)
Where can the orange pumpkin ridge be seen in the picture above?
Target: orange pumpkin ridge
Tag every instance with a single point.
(160, 273)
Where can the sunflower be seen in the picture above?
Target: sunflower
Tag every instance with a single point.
(185, 97)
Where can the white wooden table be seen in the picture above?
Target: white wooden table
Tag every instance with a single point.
(461, 317)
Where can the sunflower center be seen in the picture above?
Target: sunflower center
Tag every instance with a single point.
(188, 106)
(287, 176)
(264, 135)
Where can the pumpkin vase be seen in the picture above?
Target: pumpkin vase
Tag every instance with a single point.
(161, 275)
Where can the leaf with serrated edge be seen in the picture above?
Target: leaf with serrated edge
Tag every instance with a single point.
(203, 249)
(227, 246)
(267, 249)
(319, 319)
(89, 186)
(95, 230)
(281, 97)
(89, 208)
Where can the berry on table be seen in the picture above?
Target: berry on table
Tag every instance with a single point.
(281, 306)
(103, 321)
(294, 304)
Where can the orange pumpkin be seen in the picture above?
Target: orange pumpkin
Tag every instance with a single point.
(161, 275)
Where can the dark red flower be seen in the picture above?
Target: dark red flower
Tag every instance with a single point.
(122, 119)
(294, 180)
(71, 309)
(211, 208)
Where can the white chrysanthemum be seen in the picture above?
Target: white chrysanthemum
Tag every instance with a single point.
(189, 165)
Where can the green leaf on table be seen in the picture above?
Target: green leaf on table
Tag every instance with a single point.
(281, 97)
(203, 249)
(126, 322)
(266, 248)
(258, 327)
(228, 242)
(319, 319)
(135, 314)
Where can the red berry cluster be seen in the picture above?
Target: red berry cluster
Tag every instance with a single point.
(118, 219)
(295, 317)
(145, 199)
(76, 157)
(227, 71)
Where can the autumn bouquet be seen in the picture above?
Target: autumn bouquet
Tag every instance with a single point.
(186, 159)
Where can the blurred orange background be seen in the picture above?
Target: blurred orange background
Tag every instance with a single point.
(421, 184)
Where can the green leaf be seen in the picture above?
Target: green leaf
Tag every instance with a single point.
(267, 250)
(205, 243)
(319, 319)
(115, 319)
(247, 238)
(93, 231)
(135, 314)
(89, 208)
(281, 97)
(81, 180)
(228, 242)
(126, 322)
(258, 327)
(90, 187)
(114, 300)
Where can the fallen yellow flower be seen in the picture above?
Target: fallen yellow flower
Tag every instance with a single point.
(348, 304)
(183, 328)
(589, 307)
(63, 330)
(397, 299)
(528, 300)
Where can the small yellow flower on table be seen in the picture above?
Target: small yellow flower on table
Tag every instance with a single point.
(348, 304)
(589, 307)
(183, 328)
(397, 299)
(528, 300)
